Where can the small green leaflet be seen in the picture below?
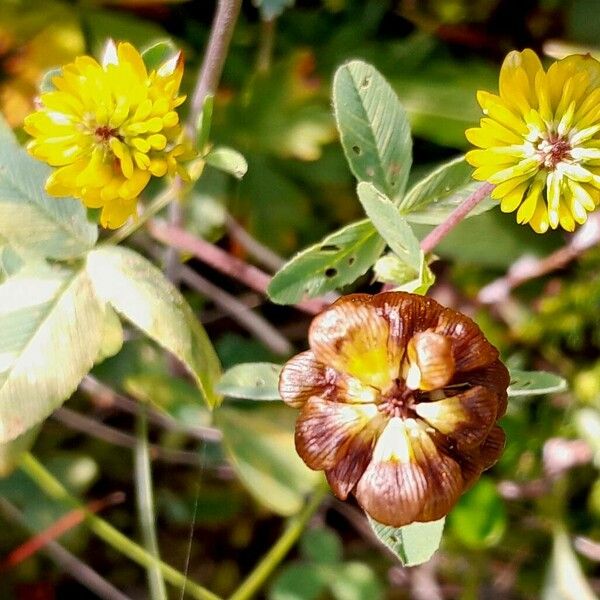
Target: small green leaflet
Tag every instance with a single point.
(374, 129)
(534, 383)
(337, 260)
(251, 381)
(413, 544)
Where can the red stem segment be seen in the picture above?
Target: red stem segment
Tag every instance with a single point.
(430, 241)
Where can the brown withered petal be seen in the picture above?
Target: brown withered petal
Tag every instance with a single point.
(399, 401)
(466, 417)
(357, 454)
(471, 349)
(304, 377)
(324, 429)
(350, 336)
(431, 355)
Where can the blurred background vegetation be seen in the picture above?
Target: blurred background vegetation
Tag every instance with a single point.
(527, 530)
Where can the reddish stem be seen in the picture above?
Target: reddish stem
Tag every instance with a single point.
(430, 241)
(220, 260)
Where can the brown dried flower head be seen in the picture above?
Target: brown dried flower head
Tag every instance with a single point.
(399, 400)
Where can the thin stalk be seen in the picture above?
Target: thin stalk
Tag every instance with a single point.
(105, 531)
(430, 241)
(153, 208)
(254, 582)
(145, 504)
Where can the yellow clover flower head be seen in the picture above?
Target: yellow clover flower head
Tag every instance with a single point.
(539, 141)
(109, 127)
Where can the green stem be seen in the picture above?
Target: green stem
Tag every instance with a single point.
(277, 553)
(145, 502)
(153, 208)
(104, 530)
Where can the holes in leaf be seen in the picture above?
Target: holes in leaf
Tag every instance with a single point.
(356, 149)
(351, 261)
(331, 272)
(394, 539)
(330, 248)
(366, 82)
(260, 382)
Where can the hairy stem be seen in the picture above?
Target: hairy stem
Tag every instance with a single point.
(145, 504)
(104, 530)
(455, 217)
(279, 550)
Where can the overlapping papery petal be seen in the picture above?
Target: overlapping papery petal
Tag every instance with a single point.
(108, 128)
(399, 400)
(540, 140)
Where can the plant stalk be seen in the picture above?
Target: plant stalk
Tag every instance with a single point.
(279, 550)
(145, 504)
(430, 241)
(104, 530)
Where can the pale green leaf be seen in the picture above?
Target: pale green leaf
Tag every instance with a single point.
(565, 579)
(158, 53)
(392, 227)
(227, 159)
(11, 452)
(337, 260)
(391, 269)
(373, 126)
(534, 383)
(204, 122)
(46, 84)
(51, 322)
(251, 381)
(413, 544)
(141, 293)
(432, 199)
(260, 443)
(31, 219)
(112, 335)
(355, 581)
(587, 424)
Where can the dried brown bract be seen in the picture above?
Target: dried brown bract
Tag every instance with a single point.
(399, 400)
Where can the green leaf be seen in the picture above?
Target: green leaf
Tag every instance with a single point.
(321, 546)
(432, 199)
(299, 582)
(393, 228)
(391, 269)
(534, 383)
(373, 126)
(260, 443)
(338, 260)
(158, 53)
(356, 581)
(141, 293)
(565, 579)
(31, 219)
(204, 123)
(479, 519)
(228, 160)
(51, 322)
(251, 381)
(11, 452)
(112, 335)
(413, 544)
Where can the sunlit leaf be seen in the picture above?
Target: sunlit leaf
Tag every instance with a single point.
(112, 335)
(29, 218)
(337, 260)
(228, 160)
(141, 293)
(373, 126)
(51, 322)
(413, 544)
(432, 199)
(260, 443)
(535, 383)
(251, 381)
